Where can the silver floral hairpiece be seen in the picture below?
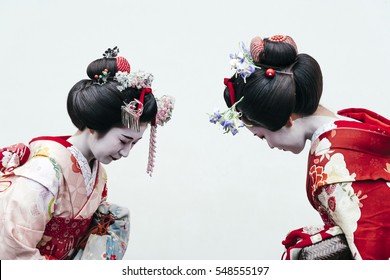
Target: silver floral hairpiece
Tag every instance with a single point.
(138, 79)
(132, 111)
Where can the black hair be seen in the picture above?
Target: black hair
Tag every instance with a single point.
(296, 86)
(98, 106)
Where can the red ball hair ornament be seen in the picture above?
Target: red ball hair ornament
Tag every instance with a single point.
(270, 73)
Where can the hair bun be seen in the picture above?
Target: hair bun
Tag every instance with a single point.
(275, 51)
(256, 47)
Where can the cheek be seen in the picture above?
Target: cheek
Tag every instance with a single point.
(258, 131)
(103, 148)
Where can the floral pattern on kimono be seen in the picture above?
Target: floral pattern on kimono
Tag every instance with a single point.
(348, 181)
(45, 205)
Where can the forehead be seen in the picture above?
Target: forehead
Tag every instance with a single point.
(128, 132)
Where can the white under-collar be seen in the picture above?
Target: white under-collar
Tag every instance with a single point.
(89, 176)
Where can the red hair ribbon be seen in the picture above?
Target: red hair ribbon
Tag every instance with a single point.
(229, 84)
(143, 92)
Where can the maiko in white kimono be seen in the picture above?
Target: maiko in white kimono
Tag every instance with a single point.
(53, 205)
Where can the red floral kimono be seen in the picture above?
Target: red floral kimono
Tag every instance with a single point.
(348, 183)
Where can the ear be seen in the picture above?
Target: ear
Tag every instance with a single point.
(289, 122)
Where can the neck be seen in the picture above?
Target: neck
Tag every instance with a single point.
(80, 141)
(309, 124)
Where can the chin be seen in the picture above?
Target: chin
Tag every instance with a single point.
(105, 160)
(297, 150)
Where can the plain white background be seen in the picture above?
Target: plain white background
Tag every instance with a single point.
(212, 196)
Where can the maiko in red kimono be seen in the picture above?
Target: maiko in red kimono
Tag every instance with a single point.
(348, 183)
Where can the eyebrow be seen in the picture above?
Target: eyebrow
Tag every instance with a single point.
(129, 137)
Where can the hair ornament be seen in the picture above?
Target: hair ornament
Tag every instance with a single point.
(242, 62)
(165, 105)
(138, 79)
(109, 53)
(278, 38)
(283, 39)
(122, 64)
(256, 47)
(102, 78)
(132, 111)
(131, 114)
(229, 119)
(270, 73)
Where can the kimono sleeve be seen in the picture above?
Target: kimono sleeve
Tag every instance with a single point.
(26, 208)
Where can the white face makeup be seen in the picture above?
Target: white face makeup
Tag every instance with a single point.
(114, 144)
(288, 138)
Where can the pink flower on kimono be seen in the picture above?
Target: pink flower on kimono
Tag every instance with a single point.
(332, 203)
(75, 165)
(113, 257)
(361, 197)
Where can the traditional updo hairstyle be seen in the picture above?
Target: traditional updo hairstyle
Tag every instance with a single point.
(295, 86)
(97, 105)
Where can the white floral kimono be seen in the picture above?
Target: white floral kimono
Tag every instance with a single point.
(48, 198)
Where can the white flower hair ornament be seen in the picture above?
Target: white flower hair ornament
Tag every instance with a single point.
(242, 62)
(132, 111)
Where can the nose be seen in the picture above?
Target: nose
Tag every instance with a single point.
(126, 150)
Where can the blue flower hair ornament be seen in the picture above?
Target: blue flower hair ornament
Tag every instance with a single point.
(229, 119)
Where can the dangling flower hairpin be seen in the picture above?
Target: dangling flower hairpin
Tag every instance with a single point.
(165, 105)
(131, 112)
(229, 119)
